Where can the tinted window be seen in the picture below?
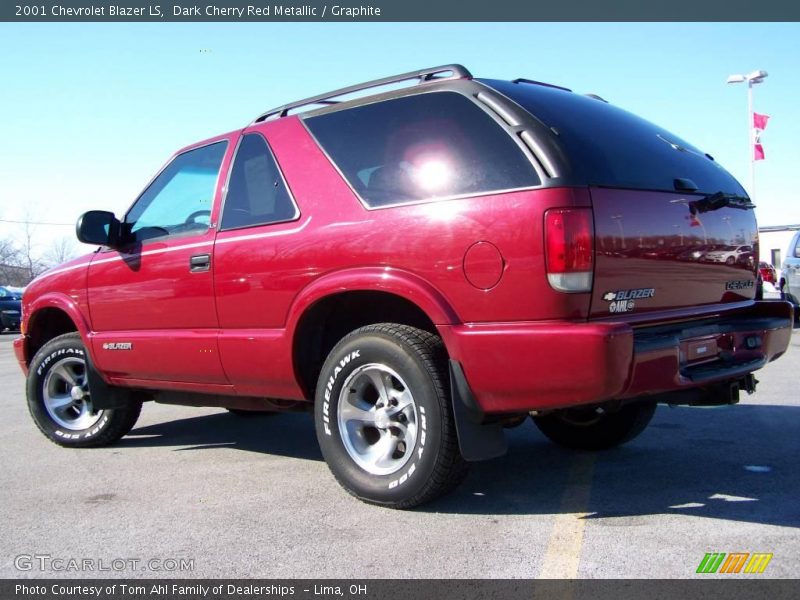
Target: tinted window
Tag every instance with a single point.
(420, 147)
(611, 147)
(180, 199)
(257, 194)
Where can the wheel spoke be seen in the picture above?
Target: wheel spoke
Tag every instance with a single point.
(66, 374)
(59, 402)
(352, 412)
(401, 427)
(404, 400)
(378, 380)
(384, 450)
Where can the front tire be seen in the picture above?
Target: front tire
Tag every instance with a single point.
(383, 416)
(593, 428)
(60, 403)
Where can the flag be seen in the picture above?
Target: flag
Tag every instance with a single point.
(760, 121)
(758, 152)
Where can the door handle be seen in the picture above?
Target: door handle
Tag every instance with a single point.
(199, 263)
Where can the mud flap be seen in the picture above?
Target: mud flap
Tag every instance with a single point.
(476, 440)
(103, 395)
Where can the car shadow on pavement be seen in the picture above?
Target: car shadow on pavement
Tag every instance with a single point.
(286, 434)
(736, 463)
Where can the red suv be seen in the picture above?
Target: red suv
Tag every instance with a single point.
(420, 267)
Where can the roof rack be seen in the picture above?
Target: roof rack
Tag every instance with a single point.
(531, 81)
(424, 76)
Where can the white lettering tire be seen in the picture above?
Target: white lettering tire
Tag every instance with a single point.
(383, 416)
(60, 403)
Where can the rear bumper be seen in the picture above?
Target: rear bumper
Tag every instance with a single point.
(517, 367)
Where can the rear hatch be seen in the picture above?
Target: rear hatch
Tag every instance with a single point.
(673, 229)
(657, 251)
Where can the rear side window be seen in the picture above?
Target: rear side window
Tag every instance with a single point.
(610, 147)
(257, 193)
(421, 147)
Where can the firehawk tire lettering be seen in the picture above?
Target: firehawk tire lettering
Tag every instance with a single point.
(326, 405)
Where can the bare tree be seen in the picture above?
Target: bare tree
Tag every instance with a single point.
(9, 261)
(28, 259)
(12, 271)
(9, 254)
(60, 251)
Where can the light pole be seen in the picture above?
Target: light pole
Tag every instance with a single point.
(751, 79)
(618, 219)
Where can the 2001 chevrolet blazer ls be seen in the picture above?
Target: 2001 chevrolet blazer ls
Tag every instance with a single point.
(423, 266)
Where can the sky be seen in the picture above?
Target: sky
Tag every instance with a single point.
(89, 112)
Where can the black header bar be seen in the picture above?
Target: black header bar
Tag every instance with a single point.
(734, 588)
(62, 11)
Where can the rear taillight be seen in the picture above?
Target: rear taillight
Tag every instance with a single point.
(569, 248)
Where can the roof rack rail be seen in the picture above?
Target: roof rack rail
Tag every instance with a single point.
(425, 75)
(531, 81)
(596, 97)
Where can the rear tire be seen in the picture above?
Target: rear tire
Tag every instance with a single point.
(383, 416)
(588, 429)
(60, 403)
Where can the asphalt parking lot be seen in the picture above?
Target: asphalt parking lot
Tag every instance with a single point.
(251, 497)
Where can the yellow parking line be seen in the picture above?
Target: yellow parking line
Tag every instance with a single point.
(562, 558)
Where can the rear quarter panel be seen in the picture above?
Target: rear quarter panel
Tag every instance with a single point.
(428, 240)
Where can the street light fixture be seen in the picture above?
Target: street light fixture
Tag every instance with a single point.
(753, 78)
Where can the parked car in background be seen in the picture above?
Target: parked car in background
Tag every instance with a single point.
(730, 255)
(768, 273)
(790, 275)
(10, 309)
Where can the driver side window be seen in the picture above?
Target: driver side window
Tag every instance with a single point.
(180, 199)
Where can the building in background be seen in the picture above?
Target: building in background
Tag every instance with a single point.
(773, 242)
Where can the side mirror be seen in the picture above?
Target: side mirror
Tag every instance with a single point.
(98, 227)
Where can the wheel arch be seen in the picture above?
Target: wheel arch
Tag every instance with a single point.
(50, 316)
(341, 302)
